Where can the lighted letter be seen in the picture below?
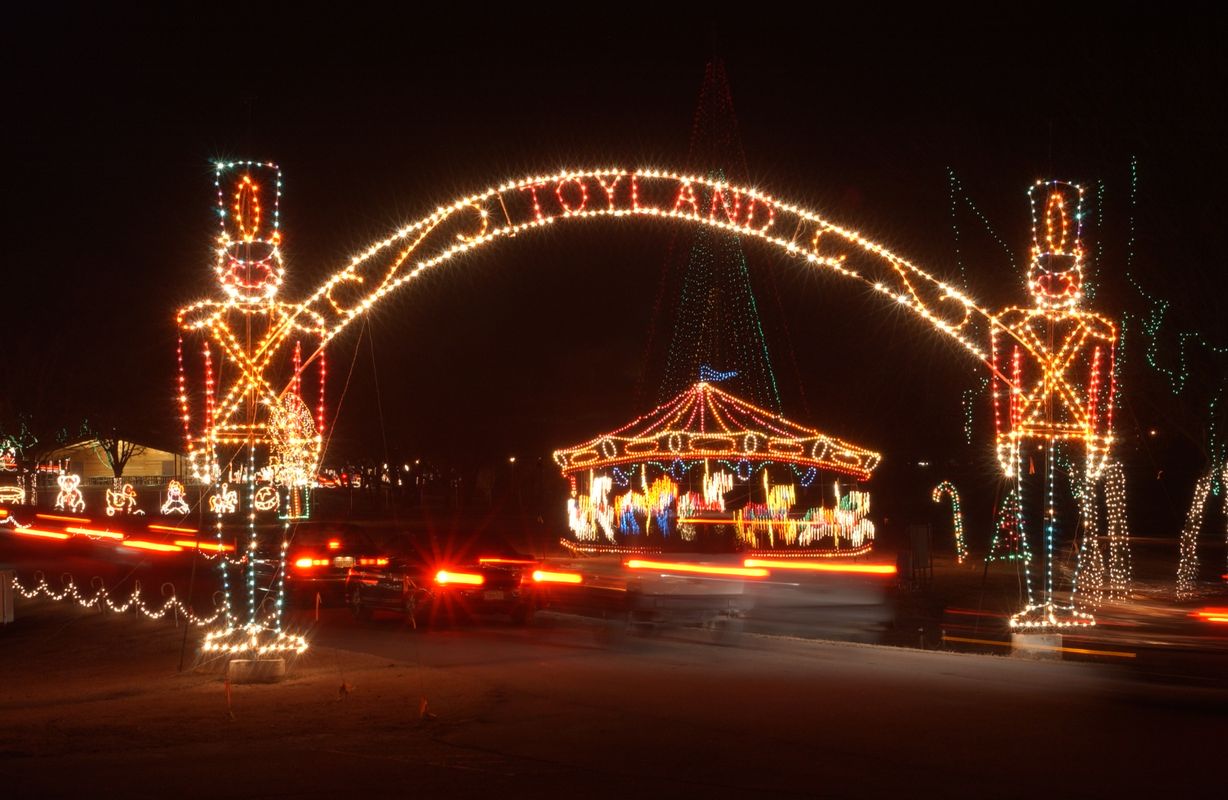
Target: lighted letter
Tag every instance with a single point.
(609, 189)
(558, 191)
(532, 189)
(686, 196)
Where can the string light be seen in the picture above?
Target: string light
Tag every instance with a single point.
(100, 598)
(1119, 572)
(12, 494)
(503, 212)
(225, 501)
(1061, 358)
(122, 502)
(1089, 572)
(1187, 568)
(947, 488)
(69, 498)
(701, 426)
(246, 407)
(175, 500)
(705, 422)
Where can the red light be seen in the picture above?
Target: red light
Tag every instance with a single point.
(155, 546)
(42, 533)
(62, 519)
(334, 544)
(308, 563)
(171, 529)
(544, 576)
(506, 561)
(372, 562)
(822, 566)
(467, 578)
(1212, 614)
(698, 569)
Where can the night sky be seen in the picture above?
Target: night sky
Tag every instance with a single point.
(112, 124)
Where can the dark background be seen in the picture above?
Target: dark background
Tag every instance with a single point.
(112, 121)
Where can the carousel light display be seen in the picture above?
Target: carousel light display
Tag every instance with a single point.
(675, 466)
(69, 498)
(947, 488)
(1054, 385)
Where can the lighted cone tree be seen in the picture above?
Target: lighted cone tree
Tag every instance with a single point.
(706, 288)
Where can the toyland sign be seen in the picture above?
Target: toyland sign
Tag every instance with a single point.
(521, 206)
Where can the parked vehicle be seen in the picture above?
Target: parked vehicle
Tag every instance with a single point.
(447, 579)
(319, 557)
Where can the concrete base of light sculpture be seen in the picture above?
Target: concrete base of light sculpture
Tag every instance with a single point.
(262, 670)
(1036, 645)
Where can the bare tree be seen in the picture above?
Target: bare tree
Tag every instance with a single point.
(115, 449)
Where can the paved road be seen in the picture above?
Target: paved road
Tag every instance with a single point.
(570, 705)
(674, 715)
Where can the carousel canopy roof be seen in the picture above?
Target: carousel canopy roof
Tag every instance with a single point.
(707, 422)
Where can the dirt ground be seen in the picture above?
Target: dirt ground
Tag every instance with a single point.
(82, 692)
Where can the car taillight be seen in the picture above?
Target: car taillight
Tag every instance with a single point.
(546, 576)
(444, 576)
(372, 562)
(308, 563)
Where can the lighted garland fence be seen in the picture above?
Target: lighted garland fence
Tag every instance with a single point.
(100, 599)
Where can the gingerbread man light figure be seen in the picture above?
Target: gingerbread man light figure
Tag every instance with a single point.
(1053, 389)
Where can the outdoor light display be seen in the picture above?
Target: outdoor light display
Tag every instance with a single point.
(69, 498)
(1053, 389)
(254, 339)
(122, 502)
(536, 203)
(669, 475)
(240, 389)
(1187, 569)
(175, 503)
(948, 488)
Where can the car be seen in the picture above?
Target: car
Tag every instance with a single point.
(319, 556)
(444, 579)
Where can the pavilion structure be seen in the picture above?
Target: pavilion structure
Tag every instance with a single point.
(709, 471)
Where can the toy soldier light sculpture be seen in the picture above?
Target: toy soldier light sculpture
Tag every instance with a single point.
(1053, 390)
(245, 421)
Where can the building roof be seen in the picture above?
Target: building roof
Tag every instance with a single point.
(707, 422)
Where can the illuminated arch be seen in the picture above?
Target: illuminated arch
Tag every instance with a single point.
(521, 206)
